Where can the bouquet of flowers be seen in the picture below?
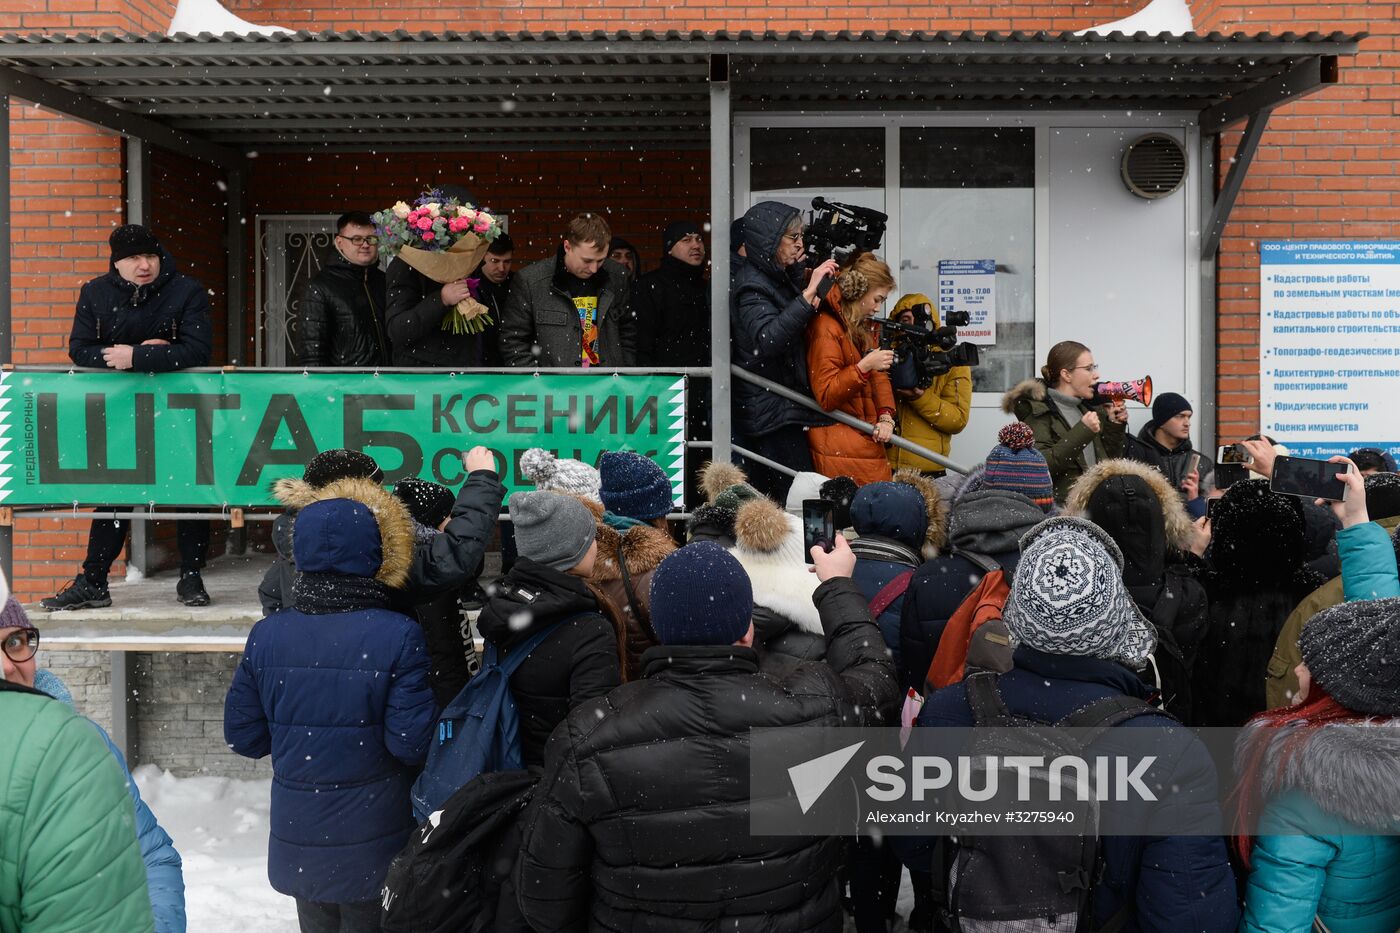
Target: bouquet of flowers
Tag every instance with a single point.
(445, 240)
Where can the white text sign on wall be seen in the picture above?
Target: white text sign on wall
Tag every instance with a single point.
(1329, 345)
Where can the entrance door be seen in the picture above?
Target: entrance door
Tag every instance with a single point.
(292, 248)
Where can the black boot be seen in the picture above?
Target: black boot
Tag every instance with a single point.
(190, 590)
(82, 593)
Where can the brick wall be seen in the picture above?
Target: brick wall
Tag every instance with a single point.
(560, 15)
(1325, 170)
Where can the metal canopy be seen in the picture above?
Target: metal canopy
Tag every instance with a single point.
(363, 91)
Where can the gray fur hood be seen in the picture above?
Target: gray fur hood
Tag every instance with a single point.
(1350, 770)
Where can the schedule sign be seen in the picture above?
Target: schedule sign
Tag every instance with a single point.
(970, 285)
(1329, 345)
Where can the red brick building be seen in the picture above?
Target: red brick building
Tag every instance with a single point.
(1324, 168)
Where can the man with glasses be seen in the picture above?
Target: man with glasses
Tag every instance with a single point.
(342, 321)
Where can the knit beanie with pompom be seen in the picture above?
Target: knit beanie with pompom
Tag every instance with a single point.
(551, 474)
(1014, 465)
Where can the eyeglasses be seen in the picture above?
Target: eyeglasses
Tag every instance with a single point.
(794, 237)
(1092, 367)
(20, 646)
(361, 240)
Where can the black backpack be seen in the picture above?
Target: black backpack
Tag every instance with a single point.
(1036, 883)
(450, 875)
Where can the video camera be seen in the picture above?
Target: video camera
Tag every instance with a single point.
(837, 231)
(916, 364)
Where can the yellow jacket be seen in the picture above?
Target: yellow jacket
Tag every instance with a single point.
(933, 418)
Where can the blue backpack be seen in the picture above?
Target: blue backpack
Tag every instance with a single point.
(478, 732)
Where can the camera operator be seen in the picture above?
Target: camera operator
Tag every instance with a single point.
(849, 373)
(931, 409)
(770, 306)
(1072, 434)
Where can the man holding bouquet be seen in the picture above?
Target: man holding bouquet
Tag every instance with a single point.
(417, 306)
(572, 309)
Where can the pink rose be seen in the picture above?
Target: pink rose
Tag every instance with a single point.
(458, 224)
(429, 237)
(481, 226)
(425, 223)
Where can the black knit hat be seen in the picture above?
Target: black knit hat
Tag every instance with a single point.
(1382, 495)
(340, 463)
(428, 503)
(132, 240)
(1353, 652)
(678, 231)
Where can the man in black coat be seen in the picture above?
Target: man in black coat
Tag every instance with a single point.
(145, 317)
(342, 321)
(641, 820)
(416, 306)
(495, 274)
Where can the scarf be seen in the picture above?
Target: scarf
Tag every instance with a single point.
(321, 594)
(620, 522)
(873, 547)
(1069, 409)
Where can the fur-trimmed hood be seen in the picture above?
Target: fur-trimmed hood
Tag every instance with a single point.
(936, 537)
(642, 546)
(1351, 771)
(396, 536)
(1031, 390)
(1174, 514)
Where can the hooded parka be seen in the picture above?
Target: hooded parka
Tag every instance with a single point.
(839, 385)
(1062, 443)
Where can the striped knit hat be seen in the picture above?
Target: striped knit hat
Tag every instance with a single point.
(1015, 465)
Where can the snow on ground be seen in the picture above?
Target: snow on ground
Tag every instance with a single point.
(220, 828)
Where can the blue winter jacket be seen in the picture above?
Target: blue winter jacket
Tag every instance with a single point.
(1179, 884)
(164, 875)
(341, 701)
(870, 577)
(892, 521)
(1369, 570)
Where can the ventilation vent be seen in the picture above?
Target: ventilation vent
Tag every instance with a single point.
(1154, 166)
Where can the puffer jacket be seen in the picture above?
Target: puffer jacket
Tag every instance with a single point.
(69, 856)
(641, 821)
(164, 876)
(342, 319)
(1282, 684)
(1255, 580)
(542, 327)
(579, 661)
(341, 701)
(768, 322)
(987, 522)
(838, 385)
(1062, 443)
(672, 305)
(1148, 521)
(113, 311)
(940, 411)
(1313, 856)
(641, 548)
(413, 316)
(1177, 884)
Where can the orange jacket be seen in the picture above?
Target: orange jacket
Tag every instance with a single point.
(838, 385)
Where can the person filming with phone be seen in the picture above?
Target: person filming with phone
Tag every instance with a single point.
(1071, 432)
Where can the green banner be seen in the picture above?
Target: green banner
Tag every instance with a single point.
(221, 439)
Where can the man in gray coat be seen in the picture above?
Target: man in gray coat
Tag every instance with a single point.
(572, 310)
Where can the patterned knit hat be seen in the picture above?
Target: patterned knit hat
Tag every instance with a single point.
(550, 474)
(634, 486)
(1353, 652)
(1014, 465)
(1068, 596)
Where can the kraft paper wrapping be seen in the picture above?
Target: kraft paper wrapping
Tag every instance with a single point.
(453, 264)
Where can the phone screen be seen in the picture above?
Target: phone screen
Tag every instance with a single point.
(818, 526)
(1233, 453)
(1311, 479)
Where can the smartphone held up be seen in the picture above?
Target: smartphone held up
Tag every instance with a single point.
(818, 526)
(1310, 479)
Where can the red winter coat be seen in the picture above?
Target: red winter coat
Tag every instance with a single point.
(837, 385)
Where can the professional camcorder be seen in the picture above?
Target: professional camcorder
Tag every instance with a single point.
(839, 231)
(916, 364)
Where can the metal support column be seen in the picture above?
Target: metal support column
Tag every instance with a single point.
(236, 301)
(1234, 181)
(123, 666)
(1208, 413)
(138, 211)
(721, 201)
(7, 538)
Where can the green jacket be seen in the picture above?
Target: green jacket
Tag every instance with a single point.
(1280, 682)
(1062, 443)
(69, 859)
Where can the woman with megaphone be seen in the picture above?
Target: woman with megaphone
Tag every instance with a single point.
(1070, 431)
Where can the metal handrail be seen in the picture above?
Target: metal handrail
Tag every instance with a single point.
(848, 420)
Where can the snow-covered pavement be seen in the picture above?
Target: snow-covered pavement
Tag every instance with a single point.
(220, 829)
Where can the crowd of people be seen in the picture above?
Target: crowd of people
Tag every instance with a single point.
(625, 658)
